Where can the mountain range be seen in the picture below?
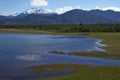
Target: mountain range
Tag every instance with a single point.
(76, 16)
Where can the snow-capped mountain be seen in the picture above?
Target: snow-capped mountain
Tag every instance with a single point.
(37, 11)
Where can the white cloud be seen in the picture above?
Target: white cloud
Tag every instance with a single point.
(65, 9)
(37, 3)
(109, 8)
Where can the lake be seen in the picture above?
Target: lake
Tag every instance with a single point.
(19, 51)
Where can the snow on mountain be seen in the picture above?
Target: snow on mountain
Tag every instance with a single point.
(46, 12)
(37, 11)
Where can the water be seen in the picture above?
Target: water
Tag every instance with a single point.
(19, 51)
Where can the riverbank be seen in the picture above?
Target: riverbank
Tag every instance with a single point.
(112, 40)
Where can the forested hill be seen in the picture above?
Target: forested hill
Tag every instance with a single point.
(66, 27)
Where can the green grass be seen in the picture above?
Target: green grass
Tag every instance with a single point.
(83, 72)
(29, 31)
(54, 68)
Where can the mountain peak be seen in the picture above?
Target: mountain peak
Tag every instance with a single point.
(37, 11)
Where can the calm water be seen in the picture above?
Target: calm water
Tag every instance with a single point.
(19, 51)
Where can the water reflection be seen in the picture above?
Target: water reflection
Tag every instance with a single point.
(29, 57)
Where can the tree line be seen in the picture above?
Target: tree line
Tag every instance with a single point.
(68, 27)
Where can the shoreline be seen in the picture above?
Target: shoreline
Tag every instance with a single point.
(32, 31)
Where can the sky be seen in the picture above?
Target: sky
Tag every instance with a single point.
(8, 7)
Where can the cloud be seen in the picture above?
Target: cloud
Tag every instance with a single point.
(49, 10)
(65, 9)
(109, 8)
(38, 3)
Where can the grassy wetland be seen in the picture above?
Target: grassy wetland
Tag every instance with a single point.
(83, 72)
(112, 48)
(109, 34)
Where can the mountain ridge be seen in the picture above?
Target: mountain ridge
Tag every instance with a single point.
(76, 16)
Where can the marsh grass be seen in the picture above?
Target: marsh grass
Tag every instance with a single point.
(112, 49)
(54, 68)
(83, 72)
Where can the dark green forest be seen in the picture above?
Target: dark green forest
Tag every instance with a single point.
(68, 27)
